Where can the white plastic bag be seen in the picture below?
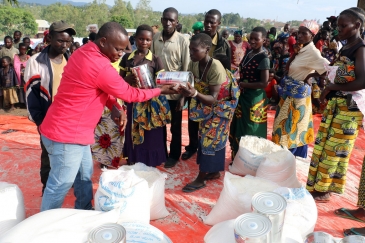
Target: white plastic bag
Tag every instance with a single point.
(280, 167)
(12, 209)
(251, 153)
(235, 198)
(156, 183)
(291, 234)
(58, 226)
(301, 211)
(144, 233)
(125, 191)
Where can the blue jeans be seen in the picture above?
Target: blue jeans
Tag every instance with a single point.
(70, 164)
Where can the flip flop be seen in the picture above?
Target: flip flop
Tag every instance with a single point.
(352, 232)
(348, 215)
(191, 188)
(212, 176)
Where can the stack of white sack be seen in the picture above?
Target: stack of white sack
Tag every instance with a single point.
(138, 192)
(300, 217)
(58, 226)
(263, 158)
(235, 198)
(12, 209)
(156, 184)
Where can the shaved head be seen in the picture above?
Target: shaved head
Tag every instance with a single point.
(110, 28)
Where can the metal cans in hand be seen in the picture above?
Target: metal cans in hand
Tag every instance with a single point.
(252, 228)
(144, 77)
(271, 205)
(108, 233)
(181, 78)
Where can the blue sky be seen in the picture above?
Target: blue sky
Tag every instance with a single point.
(282, 10)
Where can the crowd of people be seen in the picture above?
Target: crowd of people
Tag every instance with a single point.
(87, 105)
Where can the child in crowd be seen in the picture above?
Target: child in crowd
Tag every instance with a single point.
(20, 62)
(9, 84)
(8, 50)
(323, 43)
(271, 91)
(144, 135)
(250, 117)
(212, 105)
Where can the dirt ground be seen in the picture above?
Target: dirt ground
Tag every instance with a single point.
(19, 111)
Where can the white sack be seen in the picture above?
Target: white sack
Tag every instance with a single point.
(12, 209)
(280, 167)
(144, 233)
(301, 212)
(251, 153)
(125, 191)
(156, 183)
(58, 226)
(235, 198)
(221, 232)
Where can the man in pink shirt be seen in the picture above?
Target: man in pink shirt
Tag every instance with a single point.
(89, 82)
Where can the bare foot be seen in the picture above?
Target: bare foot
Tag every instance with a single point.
(321, 196)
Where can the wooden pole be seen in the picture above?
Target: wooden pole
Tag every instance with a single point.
(361, 4)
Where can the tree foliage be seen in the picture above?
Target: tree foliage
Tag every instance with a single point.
(16, 19)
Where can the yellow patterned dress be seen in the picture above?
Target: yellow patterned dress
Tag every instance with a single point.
(337, 132)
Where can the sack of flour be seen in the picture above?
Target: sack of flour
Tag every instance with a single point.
(235, 198)
(221, 232)
(12, 209)
(301, 211)
(280, 167)
(156, 183)
(252, 151)
(125, 191)
(58, 226)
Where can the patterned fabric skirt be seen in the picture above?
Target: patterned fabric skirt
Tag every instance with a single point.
(250, 117)
(109, 141)
(10, 97)
(361, 192)
(293, 124)
(333, 145)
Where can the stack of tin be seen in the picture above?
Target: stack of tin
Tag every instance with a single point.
(265, 223)
(178, 78)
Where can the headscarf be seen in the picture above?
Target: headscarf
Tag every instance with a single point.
(238, 32)
(312, 25)
(335, 33)
(198, 26)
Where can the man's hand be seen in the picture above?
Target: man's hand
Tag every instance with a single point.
(187, 91)
(168, 89)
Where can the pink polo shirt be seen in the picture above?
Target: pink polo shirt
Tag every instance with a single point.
(88, 83)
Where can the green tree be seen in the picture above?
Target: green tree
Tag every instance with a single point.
(16, 19)
(96, 12)
(124, 20)
(143, 13)
(130, 10)
(250, 23)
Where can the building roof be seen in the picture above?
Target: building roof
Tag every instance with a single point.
(42, 23)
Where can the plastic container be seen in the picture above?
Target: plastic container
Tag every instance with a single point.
(108, 233)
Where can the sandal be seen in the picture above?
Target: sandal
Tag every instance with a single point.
(191, 188)
(344, 213)
(352, 231)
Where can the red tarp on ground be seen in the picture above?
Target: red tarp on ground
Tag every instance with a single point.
(20, 161)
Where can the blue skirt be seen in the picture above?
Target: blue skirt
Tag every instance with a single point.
(300, 151)
(211, 163)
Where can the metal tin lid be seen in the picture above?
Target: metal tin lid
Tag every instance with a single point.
(320, 237)
(268, 203)
(107, 233)
(353, 239)
(252, 225)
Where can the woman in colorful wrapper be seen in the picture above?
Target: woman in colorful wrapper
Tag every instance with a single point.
(342, 118)
(20, 62)
(250, 117)
(144, 137)
(293, 125)
(213, 100)
(109, 139)
(238, 51)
